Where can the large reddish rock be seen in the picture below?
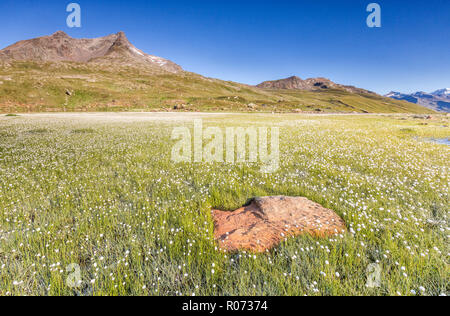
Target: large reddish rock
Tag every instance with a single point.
(266, 221)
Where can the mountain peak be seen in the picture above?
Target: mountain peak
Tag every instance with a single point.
(121, 42)
(59, 34)
(442, 92)
(121, 35)
(291, 83)
(311, 84)
(438, 100)
(60, 47)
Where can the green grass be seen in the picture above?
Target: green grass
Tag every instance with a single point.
(34, 87)
(103, 193)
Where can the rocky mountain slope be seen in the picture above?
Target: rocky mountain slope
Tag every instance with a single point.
(311, 84)
(438, 100)
(114, 48)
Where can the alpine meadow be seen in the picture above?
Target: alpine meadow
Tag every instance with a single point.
(275, 150)
(99, 193)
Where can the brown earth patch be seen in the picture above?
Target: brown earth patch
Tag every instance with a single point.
(266, 221)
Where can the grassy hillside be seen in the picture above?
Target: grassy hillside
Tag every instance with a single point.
(34, 87)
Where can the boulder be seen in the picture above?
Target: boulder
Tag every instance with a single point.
(179, 107)
(266, 221)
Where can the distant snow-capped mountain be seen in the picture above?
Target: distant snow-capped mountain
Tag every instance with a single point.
(438, 100)
(442, 92)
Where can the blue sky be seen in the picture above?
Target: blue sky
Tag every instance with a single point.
(251, 41)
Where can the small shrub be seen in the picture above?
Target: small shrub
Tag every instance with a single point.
(38, 131)
(83, 131)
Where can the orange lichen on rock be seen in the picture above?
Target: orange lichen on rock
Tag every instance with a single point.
(266, 221)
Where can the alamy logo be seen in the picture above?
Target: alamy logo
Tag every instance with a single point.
(374, 18)
(74, 278)
(74, 18)
(373, 275)
(230, 146)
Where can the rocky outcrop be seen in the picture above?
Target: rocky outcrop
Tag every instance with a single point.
(293, 82)
(266, 221)
(311, 84)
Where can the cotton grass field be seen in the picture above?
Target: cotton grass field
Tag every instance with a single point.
(91, 204)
